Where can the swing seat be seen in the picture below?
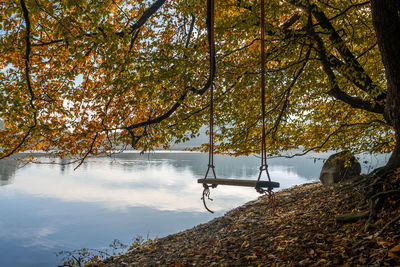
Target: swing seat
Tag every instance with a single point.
(239, 182)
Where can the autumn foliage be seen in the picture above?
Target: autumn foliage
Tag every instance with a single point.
(84, 77)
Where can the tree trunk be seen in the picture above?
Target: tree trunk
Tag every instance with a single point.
(386, 20)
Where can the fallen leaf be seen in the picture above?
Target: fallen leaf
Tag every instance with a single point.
(394, 252)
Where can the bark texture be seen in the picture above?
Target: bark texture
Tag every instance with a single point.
(386, 20)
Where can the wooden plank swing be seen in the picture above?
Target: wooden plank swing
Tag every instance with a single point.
(239, 182)
(260, 186)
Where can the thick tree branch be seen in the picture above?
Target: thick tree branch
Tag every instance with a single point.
(161, 117)
(200, 92)
(219, 97)
(354, 102)
(353, 75)
(190, 31)
(28, 52)
(350, 59)
(146, 15)
(386, 20)
(335, 91)
(181, 99)
(28, 45)
(136, 26)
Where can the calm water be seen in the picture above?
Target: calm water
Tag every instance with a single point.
(48, 208)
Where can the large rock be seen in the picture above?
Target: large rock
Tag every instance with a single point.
(339, 167)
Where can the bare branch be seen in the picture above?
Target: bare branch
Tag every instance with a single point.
(330, 136)
(190, 31)
(240, 48)
(88, 152)
(348, 8)
(296, 75)
(15, 149)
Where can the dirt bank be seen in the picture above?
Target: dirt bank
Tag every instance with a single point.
(303, 232)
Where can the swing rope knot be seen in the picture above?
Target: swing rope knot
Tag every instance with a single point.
(263, 167)
(206, 194)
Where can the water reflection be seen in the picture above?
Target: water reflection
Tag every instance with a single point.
(8, 168)
(159, 181)
(48, 208)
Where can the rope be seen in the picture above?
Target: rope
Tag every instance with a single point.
(206, 193)
(210, 22)
(264, 165)
(210, 19)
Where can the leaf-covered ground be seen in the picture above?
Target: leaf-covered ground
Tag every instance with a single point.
(303, 232)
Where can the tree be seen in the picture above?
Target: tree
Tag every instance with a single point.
(82, 77)
(386, 19)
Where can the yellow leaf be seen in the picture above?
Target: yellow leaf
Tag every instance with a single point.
(394, 252)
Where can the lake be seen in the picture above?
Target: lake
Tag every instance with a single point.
(47, 208)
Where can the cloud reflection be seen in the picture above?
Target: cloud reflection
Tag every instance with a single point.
(128, 183)
(30, 236)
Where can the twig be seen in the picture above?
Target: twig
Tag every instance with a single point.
(88, 152)
(392, 222)
(385, 194)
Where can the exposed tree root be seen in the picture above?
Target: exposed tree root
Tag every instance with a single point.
(379, 188)
(381, 172)
(390, 224)
(351, 217)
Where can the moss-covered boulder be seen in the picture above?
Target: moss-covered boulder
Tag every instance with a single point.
(339, 167)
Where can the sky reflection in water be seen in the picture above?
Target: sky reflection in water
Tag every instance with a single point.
(48, 208)
(155, 184)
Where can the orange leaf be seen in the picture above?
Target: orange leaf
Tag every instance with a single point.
(394, 252)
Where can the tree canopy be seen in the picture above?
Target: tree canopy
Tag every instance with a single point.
(82, 77)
